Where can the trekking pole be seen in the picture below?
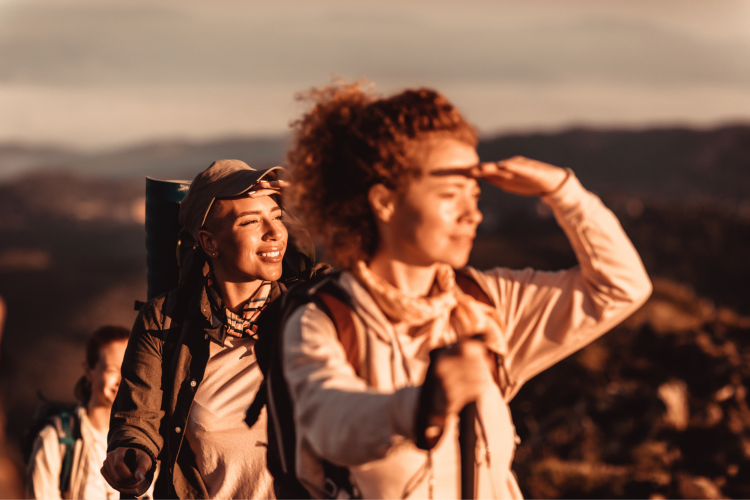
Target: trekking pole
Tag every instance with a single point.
(131, 464)
(467, 442)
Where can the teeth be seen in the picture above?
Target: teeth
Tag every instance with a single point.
(270, 254)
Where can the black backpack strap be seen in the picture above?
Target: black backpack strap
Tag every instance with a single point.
(333, 301)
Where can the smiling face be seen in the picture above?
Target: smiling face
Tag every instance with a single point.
(105, 374)
(248, 236)
(436, 218)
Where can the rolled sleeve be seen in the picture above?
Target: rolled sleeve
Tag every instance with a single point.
(137, 411)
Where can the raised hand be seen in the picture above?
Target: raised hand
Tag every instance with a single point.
(463, 373)
(266, 188)
(524, 176)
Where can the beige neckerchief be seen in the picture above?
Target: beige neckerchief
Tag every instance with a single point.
(400, 307)
(447, 303)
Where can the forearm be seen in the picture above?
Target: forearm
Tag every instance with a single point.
(550, 315)
(137, 410)
(342, 419)
(610, 269)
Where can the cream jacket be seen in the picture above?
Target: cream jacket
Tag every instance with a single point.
(366, 423)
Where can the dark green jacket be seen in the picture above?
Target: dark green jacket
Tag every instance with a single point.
(163, 367)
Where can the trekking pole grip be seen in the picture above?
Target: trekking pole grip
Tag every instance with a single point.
(131, 463)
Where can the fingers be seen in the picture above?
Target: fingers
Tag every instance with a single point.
(263, 192)
(523, 176)
(274, 184)
(144, 465)
(492, 170)
(267, 188)
(122, 473)
(463, 374)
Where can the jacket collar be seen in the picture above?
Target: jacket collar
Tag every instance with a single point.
(212, 326)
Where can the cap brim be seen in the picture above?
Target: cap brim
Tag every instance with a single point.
(241, 181)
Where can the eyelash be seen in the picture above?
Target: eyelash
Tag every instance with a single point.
(247, 222)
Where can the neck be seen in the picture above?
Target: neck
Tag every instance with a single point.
(236, 293)
(98, 414)
(412, 280)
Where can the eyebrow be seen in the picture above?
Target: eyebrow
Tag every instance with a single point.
(258, 212)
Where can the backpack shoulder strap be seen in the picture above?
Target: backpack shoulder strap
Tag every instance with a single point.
(345, 321)
(67, 436)
(468, 284)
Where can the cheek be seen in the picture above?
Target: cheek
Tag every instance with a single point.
(111, 379)
(428, 226)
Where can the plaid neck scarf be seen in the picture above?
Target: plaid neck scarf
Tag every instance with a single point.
(243, 325)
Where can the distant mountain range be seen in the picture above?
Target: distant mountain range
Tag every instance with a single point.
(165, 159)
(678, 164)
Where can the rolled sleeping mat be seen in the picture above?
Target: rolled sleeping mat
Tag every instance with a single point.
(162, 229)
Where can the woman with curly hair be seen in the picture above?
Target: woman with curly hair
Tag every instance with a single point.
(389, 185)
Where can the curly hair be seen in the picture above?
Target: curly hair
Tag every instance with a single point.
(351, 140)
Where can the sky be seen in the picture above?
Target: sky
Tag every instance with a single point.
(102, 74)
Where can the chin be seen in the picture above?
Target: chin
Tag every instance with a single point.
(271, 273)
(456, 261)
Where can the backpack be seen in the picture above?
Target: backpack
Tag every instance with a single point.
(325, 292)
(68, 432)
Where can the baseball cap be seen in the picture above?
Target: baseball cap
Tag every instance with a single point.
(223, 179)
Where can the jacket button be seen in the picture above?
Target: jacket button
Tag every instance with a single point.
(193, 383)
(177, 430)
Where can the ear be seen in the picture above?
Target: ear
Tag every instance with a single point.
(207, 242)
(382, 202)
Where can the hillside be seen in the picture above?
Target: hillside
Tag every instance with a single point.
(656, 408)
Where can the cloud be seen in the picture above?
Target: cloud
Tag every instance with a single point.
(97, 73)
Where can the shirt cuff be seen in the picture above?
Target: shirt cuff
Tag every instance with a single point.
(569, 199)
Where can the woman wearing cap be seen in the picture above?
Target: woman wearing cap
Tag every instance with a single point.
(389, 185)
(190, 370)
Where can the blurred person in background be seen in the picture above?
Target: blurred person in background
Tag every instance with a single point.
(10, 479)
(190, 369)
(67, 455)
(390, 186)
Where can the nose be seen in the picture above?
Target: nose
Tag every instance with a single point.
(274, 230)
(470, 213)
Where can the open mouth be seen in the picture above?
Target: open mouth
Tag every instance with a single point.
(271, 255)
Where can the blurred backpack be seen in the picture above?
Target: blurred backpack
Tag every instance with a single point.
(64, 418)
